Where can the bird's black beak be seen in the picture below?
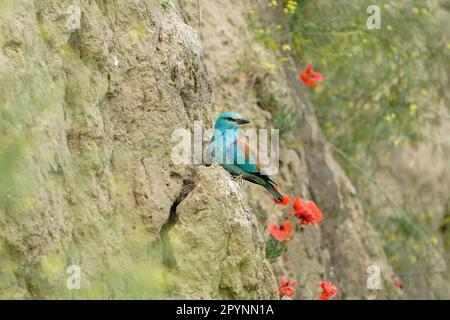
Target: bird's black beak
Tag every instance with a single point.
(242, 121)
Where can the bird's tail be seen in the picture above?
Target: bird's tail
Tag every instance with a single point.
(273, 189)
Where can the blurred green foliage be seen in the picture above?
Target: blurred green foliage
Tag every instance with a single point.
(380, 83)
(382, 87)
(166, 4)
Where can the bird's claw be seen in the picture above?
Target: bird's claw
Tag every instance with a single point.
(238, 179)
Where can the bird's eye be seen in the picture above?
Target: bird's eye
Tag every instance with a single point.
(230, 119)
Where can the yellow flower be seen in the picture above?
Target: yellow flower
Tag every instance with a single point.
(273, 3)
(390, 117)
(434, 240)
(269, 66)
(389, 27)
(291, 6)
(286, 47)
(413, 109)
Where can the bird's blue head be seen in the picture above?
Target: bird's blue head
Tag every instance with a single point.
(229, 121)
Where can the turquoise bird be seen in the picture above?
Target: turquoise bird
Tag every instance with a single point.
(236, 155)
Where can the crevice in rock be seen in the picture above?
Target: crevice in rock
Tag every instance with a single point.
(167, 250)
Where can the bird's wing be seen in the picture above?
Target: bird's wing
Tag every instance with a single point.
(221, 151)
(243, 150)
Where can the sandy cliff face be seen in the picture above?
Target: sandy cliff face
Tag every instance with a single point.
(86, 121)
(86, 118)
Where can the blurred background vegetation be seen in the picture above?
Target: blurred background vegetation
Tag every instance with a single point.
(384, 108)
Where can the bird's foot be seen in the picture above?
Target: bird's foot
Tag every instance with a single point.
(239, 179)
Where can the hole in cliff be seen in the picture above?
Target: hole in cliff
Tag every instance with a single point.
(168, 257)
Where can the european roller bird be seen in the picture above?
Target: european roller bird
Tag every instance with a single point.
(235, 154)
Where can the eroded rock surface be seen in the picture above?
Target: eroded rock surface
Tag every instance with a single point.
(86, 117)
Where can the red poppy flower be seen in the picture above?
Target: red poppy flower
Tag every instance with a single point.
(283, 232)
(306, 211)
(310, 77)
(398, 283)
(286, 200)
(286, 287)
(328, 290)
